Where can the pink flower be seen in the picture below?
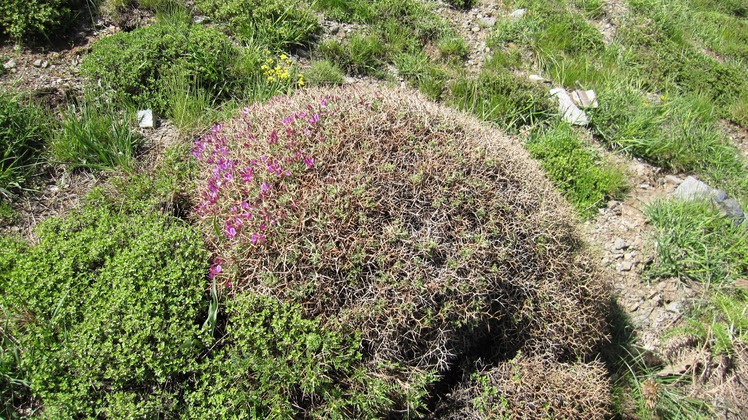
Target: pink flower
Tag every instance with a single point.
(257, 238)
(247, 174)
(273, 138)
(215, 269)
(314, 119)
(230, 230)
(265, 187)
(308, 162)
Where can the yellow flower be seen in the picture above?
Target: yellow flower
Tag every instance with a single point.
(283, 57)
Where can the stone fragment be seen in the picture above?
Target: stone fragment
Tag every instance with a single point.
(626, 266)
(488, 22)
(45, 64)
(37, 62)
(536, 78)
(476, 29)
(145, 118)
(569, 111)
(518, 14)
(585, 98)
(619, 244)
(693, 189)
(10, 64)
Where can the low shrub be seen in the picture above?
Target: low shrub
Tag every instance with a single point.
(584, 178)
(275, 363)
(106, 311)
(137, 64)
(418, 228)
(533, 388)
(24, 129)
(26, 19)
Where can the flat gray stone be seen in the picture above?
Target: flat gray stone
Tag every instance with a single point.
(619, 244)
(693, 189)
(10, 64)
(568, 110)
(37, 62)
(145, 118)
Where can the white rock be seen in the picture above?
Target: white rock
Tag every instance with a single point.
(37, 62)
(10, 64)
(569, 111)
(145, 118)
(518, 14)
(536, 78)
(475, 29)
(585, 98)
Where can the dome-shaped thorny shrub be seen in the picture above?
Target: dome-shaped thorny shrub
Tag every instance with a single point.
(434, 238)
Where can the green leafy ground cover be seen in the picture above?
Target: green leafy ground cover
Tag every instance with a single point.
(669, 79)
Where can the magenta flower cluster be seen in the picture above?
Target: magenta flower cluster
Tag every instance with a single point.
(246, 193)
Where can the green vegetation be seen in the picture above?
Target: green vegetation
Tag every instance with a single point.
(138, 64)
(576, 169)
(281, 25)
(324, 72)
(25, 19)
(502, 97)
(402, 27)
(274, 363)
(94, 135)
(23, 131)
(694, 241)
(105, 312)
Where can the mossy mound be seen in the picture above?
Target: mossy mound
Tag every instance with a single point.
(379, 213)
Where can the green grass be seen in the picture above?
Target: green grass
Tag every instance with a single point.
(24, 129)
(720, 323)
(95, 135)
(419, 70)
(284, 25)
(578, 171)
(324, 72)
(694, 241)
